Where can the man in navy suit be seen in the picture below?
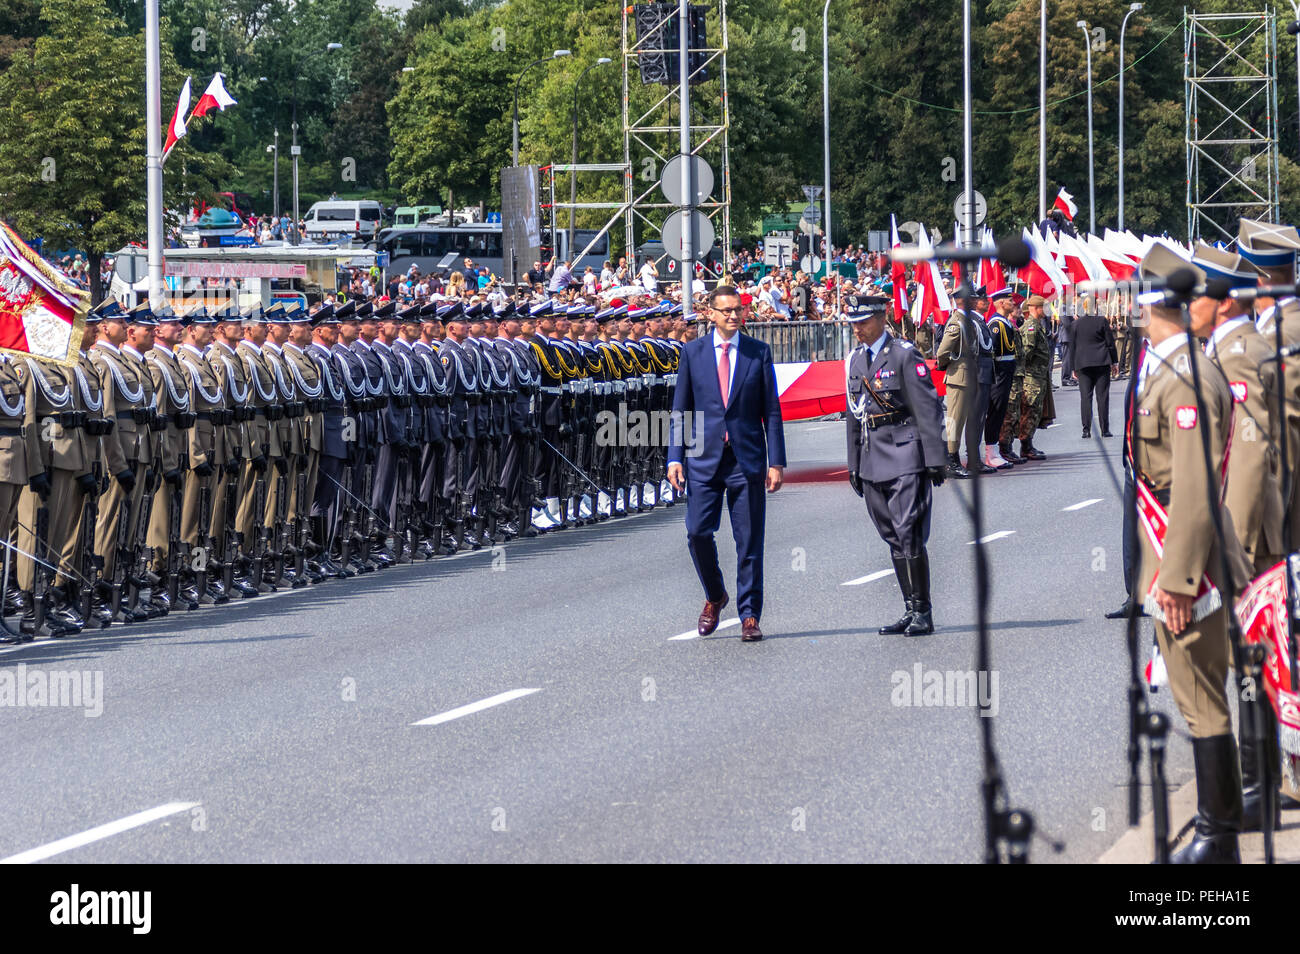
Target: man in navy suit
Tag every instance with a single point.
(726, 396)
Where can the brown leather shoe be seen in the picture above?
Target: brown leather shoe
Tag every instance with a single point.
(709, 615)
(749, 631)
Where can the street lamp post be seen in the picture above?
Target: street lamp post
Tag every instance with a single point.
(573, 175)
(274, 149)
(826, 142)
(1133, 8)
(295, 150)
(514, 152)
(1092, 193)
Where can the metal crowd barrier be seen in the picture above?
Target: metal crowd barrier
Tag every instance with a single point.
(793, 341)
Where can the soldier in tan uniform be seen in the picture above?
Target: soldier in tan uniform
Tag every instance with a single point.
(79, 545)
(1272, 249)
(263, 437)
(1181, 579)
(170, 383)
(22, 473)
(129, 449)
(958, 358)
(236, 440)
(305, 468)
(204, 451)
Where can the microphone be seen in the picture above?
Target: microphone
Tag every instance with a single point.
(1264, 291)
(1012, 252)
(1293, 27)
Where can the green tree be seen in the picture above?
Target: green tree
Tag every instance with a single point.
(72, 136)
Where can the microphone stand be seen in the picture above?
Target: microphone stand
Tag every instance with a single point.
(1247, 660)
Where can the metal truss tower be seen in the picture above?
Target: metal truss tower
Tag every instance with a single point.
(1230, 81)
(651, 134)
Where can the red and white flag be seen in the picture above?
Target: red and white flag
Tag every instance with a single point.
(39, 308)
(898, 274)
(1065, 202)
(935, 303)
(214, 97)
(176, 128)
(1041, 274)
(991, 276)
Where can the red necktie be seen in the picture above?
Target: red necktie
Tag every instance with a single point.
(724, 381)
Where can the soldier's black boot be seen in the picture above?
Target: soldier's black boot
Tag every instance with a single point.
(1009, 455)
(918, 569)
(1218, 804)
(902, 571)
(1029, 452)
(1252, 784)
(955, 469)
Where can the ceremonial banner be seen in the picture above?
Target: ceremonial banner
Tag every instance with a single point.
(40, 311)
(1263, 616)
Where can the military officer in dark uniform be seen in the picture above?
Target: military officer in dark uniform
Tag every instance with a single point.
(896, 450)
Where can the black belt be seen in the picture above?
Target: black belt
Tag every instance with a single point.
(875, 421)
(203, 415)
(7, 430)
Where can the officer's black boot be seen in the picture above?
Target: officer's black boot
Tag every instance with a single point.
(1252, 782)
(1009, 455)
(918, 569)
(1218, 804)
(902, 571)
(955, 469)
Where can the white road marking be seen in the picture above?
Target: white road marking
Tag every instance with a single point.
(98, 833)
(878, 575)
(1081, 504)
(476, 706)
(695, 634)
(991, 537)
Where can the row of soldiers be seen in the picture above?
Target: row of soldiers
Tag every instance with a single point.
(184, 459)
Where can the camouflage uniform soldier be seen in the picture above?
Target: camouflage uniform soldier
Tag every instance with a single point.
(1033, 380)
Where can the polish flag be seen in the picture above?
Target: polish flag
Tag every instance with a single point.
(1119, 266)
(1065, 202)
(214, 97)
(176, 128)
(1041, 274)
(898, 273)
(1080, 263)
(935, 304)
(990, 273)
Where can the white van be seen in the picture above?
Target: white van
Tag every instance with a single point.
(338, 217)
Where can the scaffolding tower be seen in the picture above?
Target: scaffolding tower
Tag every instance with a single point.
(651, 136)
(1230, 82)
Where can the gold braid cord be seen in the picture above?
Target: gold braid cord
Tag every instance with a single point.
(541, 356)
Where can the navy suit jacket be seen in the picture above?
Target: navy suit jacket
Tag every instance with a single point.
(751, 418)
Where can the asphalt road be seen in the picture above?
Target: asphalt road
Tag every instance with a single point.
(284, 729)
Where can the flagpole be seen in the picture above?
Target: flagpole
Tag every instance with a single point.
(153, 150)
(1042, 110)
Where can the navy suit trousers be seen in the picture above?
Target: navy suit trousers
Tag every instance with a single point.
(747, 508)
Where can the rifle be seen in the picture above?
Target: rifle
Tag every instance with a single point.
(301, 526)
(140, 551)
(348, 521)
(367, 518)
(229, 534)
(260, 531)
(174, 544)
(206, 543)
(122, 559)
(40, 581)
(279, 530)
(91, 565)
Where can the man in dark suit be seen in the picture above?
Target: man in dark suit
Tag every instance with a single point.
(726, 401)
(896, 450)
(1092, 358)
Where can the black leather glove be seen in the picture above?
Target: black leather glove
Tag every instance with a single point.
(259, 463)
(203, 470)
(232, 465)
(40, 484)
(127, 479)
(282, 465)
(173, 476)
(302, 462)
(937, 475)
(87, 484)
(855, 481)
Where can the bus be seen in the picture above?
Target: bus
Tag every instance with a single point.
(428, 247)
(244, 276)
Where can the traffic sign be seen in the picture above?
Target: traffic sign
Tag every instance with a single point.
(811, 264)
(981, 208)
(130, 264)
(812, 192)
(812, 215)
(702, 232)
(675, 169)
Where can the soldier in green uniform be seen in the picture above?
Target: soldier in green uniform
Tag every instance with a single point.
(1033, 379)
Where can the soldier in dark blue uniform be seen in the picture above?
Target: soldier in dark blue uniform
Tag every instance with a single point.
(334, 449)
(896, 450)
